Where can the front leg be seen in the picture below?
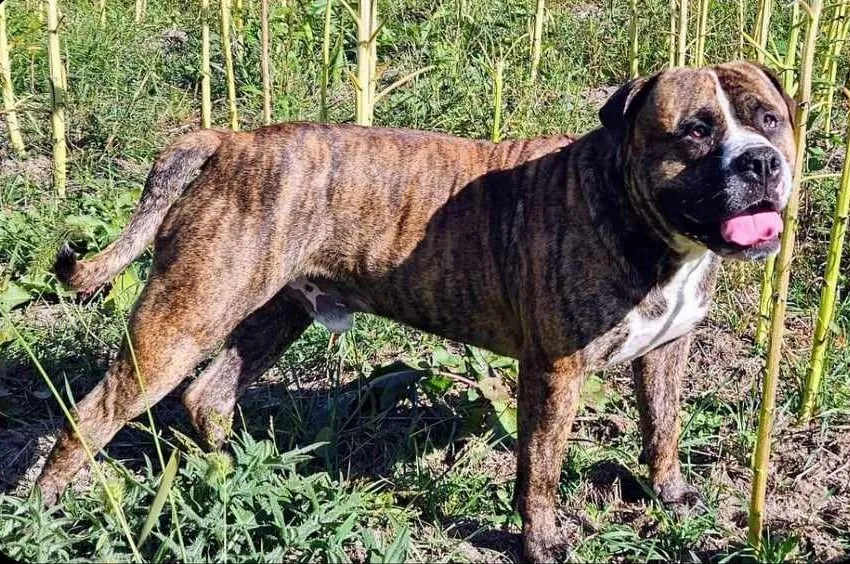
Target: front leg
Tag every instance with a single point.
(548, 398)
(658, 376)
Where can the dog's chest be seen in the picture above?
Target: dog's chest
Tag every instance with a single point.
(668, 312)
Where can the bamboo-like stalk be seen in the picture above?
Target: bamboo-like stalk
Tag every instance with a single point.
(783, 264)
(672, 34)
(206, 96)
(791, 52)
(682, 48)
(836, 37)
(228, 64)
(826, 309)
(141, 5)
(537, 38)
(373, 57)
(766, 292)
(762, 28)
(9, 106)
(364, 109)
(702, 30)
(264, 61)
(326, 62)
(238, 21)
(57, 89)
(739, 54)
(498, 83)
(633, 39)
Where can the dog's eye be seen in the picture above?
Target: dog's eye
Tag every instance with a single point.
(770, 121)
(699, 131)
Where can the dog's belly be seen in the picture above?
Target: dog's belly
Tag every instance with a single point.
(333, 304)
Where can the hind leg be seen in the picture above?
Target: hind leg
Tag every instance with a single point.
(250, 350)
(175, 324)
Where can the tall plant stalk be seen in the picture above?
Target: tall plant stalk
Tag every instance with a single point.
(633, 39)
(702, 30)
(671, 44)
(537, 38)
(141, 6)
(826, 309)
(206, 96)
(264, 61)
(762, 30)
(498, 85)
(326, 62)
(836, 37)
(682, 46)
(766, 292)
(364, 107)
(739, 54)
(57, 90)
(9, 105)
(228, 64)
(101, 5)
(783, 275)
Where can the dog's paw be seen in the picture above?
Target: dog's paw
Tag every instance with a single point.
(681, 497)
(548, 545)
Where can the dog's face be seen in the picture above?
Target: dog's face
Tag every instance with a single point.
(709, 153)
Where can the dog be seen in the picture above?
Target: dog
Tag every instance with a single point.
(568, 253)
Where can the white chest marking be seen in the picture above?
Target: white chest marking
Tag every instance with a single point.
(684, 308)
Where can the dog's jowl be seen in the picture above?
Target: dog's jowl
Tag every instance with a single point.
(569, 254)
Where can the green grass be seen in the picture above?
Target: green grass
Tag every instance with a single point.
(424, 470)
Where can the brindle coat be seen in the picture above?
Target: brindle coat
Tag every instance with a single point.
(554, 251)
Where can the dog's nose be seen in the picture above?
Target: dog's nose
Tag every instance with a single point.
(761, 164)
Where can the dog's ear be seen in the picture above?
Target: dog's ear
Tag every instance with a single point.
(623, 104)
(774, 80)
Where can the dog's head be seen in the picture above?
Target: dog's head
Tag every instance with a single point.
(708, 153)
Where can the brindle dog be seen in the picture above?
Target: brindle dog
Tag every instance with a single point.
(569, 254)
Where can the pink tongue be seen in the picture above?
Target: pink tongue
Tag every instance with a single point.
(751, 228)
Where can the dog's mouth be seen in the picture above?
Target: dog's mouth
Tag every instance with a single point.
(758, 226)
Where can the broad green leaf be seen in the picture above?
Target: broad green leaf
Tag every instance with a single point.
(125, 290)
(13, 295)
(165, 484)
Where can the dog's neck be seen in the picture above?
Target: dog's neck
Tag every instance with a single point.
(642, 248)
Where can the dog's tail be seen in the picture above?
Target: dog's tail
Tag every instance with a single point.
(173, 171)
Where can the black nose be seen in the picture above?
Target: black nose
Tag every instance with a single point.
(760, 164)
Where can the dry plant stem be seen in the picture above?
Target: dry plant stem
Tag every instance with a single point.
(498, 74)
(682, 48)
(140, 10)
(206, 96)
(739, 54)
(830, 289)
(672, 43)
(633, 39)
(57, 89)
(8, 91)
(228, 64)
(762, 27)
(102, 8)
(783, 274)
(537, 38)
(264, 61)
(326, 62)
(702, 30)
